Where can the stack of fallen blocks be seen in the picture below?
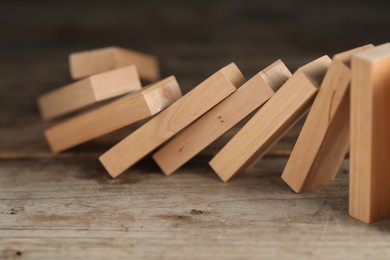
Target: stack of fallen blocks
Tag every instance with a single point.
(347, 100)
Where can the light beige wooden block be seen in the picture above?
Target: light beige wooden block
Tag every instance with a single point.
(172, 120)
(88, 91)
(369, 196)
(87, 63)
(117, 114)
(324, 139)
(250, 96)
(272, 121)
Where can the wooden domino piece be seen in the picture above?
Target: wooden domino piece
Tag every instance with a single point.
(324, 139)
(250, 96)
(369, 187)
(87, 91)
(272, 121)
(117, 114)
(172, 120)
(87, 63)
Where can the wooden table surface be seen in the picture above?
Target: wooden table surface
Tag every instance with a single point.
(66, 206)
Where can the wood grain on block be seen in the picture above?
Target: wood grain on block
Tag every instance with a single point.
(172, 120)
(86, 63)
(221, 118)
(117, 114)
(369, 197)
(324, 139)
(87, 91)
(272, 121)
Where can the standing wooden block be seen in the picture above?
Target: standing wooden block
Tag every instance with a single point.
(324, 139)
(87, 91)
(369, 194)
(117, 114)
(172, 120)
(272, 121)
(87, 63)
(250, 96)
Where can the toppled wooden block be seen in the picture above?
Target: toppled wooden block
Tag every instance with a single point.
(117, 114)
(87, 63)
(250, 96)
(272, 121)
(324, 139)
(87, 91)
(369, 187)
(172, 120)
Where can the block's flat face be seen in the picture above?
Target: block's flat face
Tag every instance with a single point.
(66, 99)
(370, 139)
(272, 121)
(87, 91)
(117, 114)
(250, 96)
(115, 82)
(324, 138)
(172, 120)
(87, 63)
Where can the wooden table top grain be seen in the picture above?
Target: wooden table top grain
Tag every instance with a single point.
(67, 206)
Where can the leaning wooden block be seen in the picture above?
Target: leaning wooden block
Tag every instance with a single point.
(250, 96)
(117, 114)
(369, 187)
(272, 121)
(172, 120)
(87, 91)
(324, 139)
(90, 62)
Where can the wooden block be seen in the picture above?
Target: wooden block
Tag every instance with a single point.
(324, 139)
(117, 114)
(87, 63)
(369, 194)
(250, 96)
(172, 120)
(272, 121)
(87, 91)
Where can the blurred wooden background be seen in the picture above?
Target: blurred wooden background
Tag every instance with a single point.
(51, 203)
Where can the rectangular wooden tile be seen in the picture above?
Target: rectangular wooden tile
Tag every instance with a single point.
(272, 121)
(250, 96)
(117, 114)
(85, 92)
(324, 139)
(369, 187)
(172, 120)
(87, 63)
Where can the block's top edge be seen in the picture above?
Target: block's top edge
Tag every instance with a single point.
(233, 74)
(345, 57)
(114, 72)
(98, 50)
(374, 54)
(316, 69)
(162, 94)
(275, 75)
(155, 85)
(108, 49)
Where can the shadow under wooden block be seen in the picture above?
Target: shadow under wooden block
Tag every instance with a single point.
(272, 121)
(86, 63)
(324, 139)
(117, 114)
(369, 190)
(216, 122)
(86, 92)
(172, 120)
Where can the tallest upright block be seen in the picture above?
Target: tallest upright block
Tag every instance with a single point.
(369, 198)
